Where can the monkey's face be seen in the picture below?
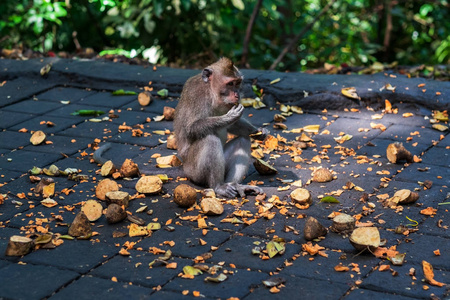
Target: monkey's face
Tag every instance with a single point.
(229, 91)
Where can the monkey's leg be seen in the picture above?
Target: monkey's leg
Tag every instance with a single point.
(237, 161)
(205, 165)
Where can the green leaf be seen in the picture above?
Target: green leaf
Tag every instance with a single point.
(163, 93)
(122, 92)
(87, 112)
(239, 4)
(189, 270)
(272, 249)
(329, 199)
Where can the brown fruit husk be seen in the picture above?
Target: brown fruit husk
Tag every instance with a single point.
(169, 113)
(301, 196)
(108, 169)
(118, 197)
(313, 229)
(211, 206)
(105, 186)
(264, 168)
(171, 142)
(365, 238)
(149, 185)
(322, 175)
(144, 98)
(115, 213)
(19, 246)
(92, 209)
(37, 138)
(343, 223)
(396, 152)
(184, 195)
(80, 227)
(129, 168)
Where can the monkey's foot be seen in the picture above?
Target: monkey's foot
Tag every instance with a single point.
(232, 189)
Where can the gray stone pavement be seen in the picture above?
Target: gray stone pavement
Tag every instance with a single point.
(93, 268)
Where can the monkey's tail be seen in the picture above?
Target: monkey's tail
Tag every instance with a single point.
(98, 154)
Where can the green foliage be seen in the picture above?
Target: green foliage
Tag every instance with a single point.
(191, 31)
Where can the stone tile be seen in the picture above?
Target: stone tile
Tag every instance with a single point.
(421, 248)
(34, 124)
(189, 245)
(439, 156)
(9, 118)
(31, 281)
(61, 145)
(13, 139)
(68, 109)
(92, 130)
(22, 160)
(439, 175)
(238, 284)
(73, 255)
(359, 294)
(320, 268)
(400, 133)
(131, 117)
(439, 225)
(107, 100)
(295, 286)
(88, 287)
(33, 107)
(155, 107)
(403, 284)
(135, 268)
(9, 209)
(58, 94)
(238, 251)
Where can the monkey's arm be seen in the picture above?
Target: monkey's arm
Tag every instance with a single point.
(244, 128)
(209, 125)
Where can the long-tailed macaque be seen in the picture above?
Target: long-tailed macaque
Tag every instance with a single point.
(208, 109)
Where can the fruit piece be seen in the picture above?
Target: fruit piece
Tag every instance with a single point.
(105, 186)
(115, 213)
(144, 98)
(18, 246)
(365, 238)
(92, 209)
(264, 168)
(322, 175)
(38, 137)
(184, 195)
(107, 169)
(301, 196)
(169, 113)
(129, 168)
(313, 229)
(80, 227)
(118, 197)
(149, 185)
(211, 206)
(343, 223)
(396, 152)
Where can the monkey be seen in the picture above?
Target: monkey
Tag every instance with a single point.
(207, 111)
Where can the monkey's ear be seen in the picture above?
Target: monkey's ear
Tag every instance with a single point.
(206, 74)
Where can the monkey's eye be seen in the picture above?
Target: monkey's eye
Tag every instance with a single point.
(231, 83)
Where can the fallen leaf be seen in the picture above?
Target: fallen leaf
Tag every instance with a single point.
(429, 274)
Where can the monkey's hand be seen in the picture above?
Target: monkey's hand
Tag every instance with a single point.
(234, 113)
(261, 134)
(244, 189)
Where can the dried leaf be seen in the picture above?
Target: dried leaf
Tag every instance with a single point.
(350, 92)
(429, 274)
